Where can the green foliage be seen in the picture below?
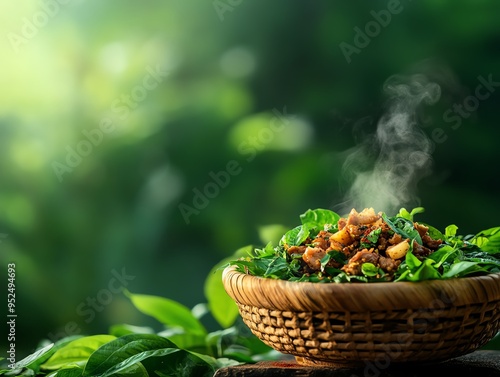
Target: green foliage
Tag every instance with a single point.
(168, 312)
(76, 352)
(403, 227)
(222, 307)
(184, 347)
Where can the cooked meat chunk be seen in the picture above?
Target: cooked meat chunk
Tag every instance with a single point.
(430, 243)
(420, 250)
(342, 223)
(367, 216)
(365, 256)
(296, 250)
(312, 256)
(421, 229)
(388, 264)
(395, 239)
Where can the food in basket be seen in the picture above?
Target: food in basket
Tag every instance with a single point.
(371, 247)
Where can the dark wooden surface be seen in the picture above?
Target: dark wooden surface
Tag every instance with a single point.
(479, 363)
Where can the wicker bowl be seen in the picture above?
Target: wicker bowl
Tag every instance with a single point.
(350, 324)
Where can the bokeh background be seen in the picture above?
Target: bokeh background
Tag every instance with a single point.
(114, 114)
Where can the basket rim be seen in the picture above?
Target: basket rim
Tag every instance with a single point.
(359, 297)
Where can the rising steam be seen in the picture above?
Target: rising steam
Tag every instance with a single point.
(386, 168)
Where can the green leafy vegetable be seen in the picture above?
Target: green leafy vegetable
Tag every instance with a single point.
(369, 269)
(403, 226)
(317, 219)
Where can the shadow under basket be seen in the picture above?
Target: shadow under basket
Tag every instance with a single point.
(349, 324)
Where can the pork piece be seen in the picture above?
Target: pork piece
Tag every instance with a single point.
(296, 250)
(355, 231)
(365, 256)
(312, 256)
(420, 251)
(421, 229)
(395, 239)
(353, 267)
(388, 264)
(426, 239)
(322, 240)
(342, 223)
(430, 243)
(366, 216)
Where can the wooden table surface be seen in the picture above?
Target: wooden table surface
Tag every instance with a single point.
(479, 363)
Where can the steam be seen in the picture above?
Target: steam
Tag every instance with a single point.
(386, 168)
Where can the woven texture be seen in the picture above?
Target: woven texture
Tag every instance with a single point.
(446, 327)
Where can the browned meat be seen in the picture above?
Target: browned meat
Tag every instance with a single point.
(312, 256)
(353, 268)
(296, 250)
(421, 229)
(420, 251)
(388, 264)
(365, 256)
(367, 216)
(355, 263)
(395, 239)
(342, 223)
(322, 240)
(430, 243)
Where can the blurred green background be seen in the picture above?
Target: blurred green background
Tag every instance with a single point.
(114, 114)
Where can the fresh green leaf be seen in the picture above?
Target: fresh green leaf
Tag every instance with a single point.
(69, 372)
(409, 215)
(125, 329)
(403, 227)
(185, 340)
(295, 236)
(488, 240)
(76, 352)
(411, 260)
(278, 268)
(371, 238)
(40, 356)
(434, 233)
(442, 255)
(324, 261)
(425, 271)
(450, 231)
(181, 364)
(168, 312)
(369, 269)
(462, 268)
(222, 307)
(125, 351)
(317, 219)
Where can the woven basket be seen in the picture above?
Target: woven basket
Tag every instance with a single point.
(354, 323)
